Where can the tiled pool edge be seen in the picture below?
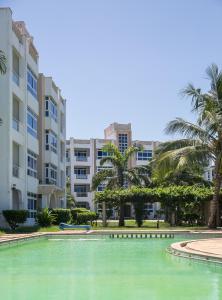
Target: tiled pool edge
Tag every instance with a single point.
(179, 250)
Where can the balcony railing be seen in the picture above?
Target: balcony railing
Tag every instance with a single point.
(15, 170)
(81, 158)
(15, 77)
(81, 194)
(81, 176)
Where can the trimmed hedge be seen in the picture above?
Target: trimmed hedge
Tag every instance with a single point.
(83, 216)
(61, 215)
(15, 217)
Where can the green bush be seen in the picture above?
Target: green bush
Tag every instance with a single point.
(15, 217)
(61, 215)
(83, 216)
(45, 217)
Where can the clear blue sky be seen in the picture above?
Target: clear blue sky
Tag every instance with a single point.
(124, 60)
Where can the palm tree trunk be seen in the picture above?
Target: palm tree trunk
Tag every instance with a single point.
(214, 204)
(121, 214)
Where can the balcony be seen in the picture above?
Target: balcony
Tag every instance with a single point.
(81, 158)
(81, 176)
(15, 170)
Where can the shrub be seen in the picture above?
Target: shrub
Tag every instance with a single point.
(83, 216)
(45, 217)
(15, 217)
(61, 215)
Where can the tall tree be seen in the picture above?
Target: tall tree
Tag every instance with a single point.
(70, 200)
(120, 174)
(202, 141)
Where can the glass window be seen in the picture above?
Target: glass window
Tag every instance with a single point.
(50, 174)
(144, 155)
(31, 123)
(32, 204)
(50, 141)
(101, 154)
(51, 108)
(32, 82)
(123, 142)
(32, 164)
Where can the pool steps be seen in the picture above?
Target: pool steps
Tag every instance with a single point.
(142, 235)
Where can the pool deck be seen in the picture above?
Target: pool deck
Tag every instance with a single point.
(203, 249)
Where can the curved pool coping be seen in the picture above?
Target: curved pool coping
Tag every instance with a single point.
(208, 250)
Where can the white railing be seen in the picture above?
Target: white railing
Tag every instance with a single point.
(81, 158)
(81, 176)
(81, 194)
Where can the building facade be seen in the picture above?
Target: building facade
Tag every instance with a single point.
(21, 111)
(52, 141)
(83, 161)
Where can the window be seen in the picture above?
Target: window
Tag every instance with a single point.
(81, 155)
(32, 123)
(101, 187)
(81, 173)
(81, 190)
(67, 155)
(32, 164)
(32, 83)
(123, 142)
(32, 204)
(50, 141)
(50, 174)
(50, 108)
(144, 155)
(101, 154)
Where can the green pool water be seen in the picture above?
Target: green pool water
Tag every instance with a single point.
(99, 268)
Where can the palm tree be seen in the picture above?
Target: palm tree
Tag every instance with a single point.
(3, 67)
(120, 175)
(202, 142)
(70, 200)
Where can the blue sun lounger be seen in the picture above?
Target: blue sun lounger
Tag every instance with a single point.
(63, 226)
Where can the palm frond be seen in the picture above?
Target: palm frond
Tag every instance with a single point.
(187, 129)
(101, 177)
(3, 67)
(129, 152)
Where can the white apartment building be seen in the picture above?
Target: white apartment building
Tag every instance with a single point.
(52, 139)
(83, 161)
(21, 111)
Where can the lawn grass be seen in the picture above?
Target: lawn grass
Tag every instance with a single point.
(147, 225)
(111, 225)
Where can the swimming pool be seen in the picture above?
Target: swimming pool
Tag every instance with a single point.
(97, 267)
